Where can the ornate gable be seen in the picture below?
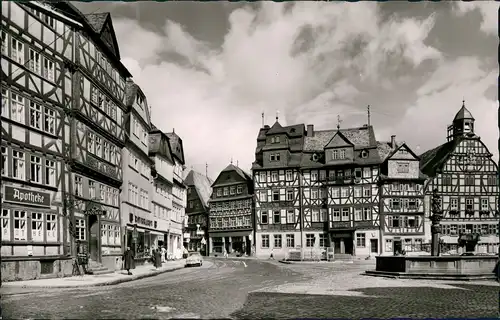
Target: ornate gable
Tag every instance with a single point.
(109, 38)
(338, 140)
(403, 152)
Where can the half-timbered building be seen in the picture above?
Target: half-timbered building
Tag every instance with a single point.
(466, 178)
(401, 199)
(162, 173)
(36, 88)
(138, 217)
(199, 190)
(340, 196)
(178, 217)
(231, 212)
(277, 179)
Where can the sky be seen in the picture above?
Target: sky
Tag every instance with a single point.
(209, 70)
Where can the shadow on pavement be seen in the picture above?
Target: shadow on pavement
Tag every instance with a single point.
(467, 301)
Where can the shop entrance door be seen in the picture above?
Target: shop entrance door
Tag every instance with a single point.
(94, 238)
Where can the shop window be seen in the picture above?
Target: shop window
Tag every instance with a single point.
(361, 240)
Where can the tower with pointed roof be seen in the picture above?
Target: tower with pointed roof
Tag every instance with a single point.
(231, 218)
(466, 178)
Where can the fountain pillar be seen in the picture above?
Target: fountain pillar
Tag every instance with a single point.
(437, 215)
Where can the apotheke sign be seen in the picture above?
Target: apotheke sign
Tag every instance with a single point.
(26, 196)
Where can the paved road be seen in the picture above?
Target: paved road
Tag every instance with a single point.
(253, 289)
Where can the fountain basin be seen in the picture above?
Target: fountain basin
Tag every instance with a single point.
(439, 268)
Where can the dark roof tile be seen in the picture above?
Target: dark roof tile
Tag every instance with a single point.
(202, 184)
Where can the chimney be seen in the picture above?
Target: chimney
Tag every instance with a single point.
(393, 141)
(310, 130)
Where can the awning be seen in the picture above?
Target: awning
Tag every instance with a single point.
(156, 233)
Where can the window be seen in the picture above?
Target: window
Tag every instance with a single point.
(20, 228)
(336, 214)
(469, 204)
(322, 175)
(98, 142)
(90, 141)
(48, 20)
(394, 221)
(314, 175)
(17, 51)
(239, 189)
(364, 154)
(265, 241)
(289, 195)
(35, 169)
(274, 157)
(361, 240)
(91, 189)
(289, 175)
(315, 215)
(357, 214)
(231, 190)
(290, 240)
(367, 192)
(395, 204)
(412, 204)
(274, 176)
(275, 140)
(469, 180)
(106, 151)
(276, 217)
(17, 108)
(80, 230)
(226, 191)
(48, 69)
(37, 226)
(6, 236)
(485, 206)
(276, 195)
(5, 103)
(310, 240)
(403, 167)
(342, 154)
(367, 213)
(453, 204)
(290, 216)
(345, 214)
(219, 192)
(35, 115)
(4, 43)
(264, 218)
(492, 180)
(447, 181)
(78, 186)
(18, 169)
(49, 124)
(34, 62)
(5, 169)
(335, 154)
(262, 177)
(357, 192)
(277, 241)
(335, 192)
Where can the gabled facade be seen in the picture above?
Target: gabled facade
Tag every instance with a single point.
(401, 200)
(137, 210)
(199, 190)
(466, 177)
(178, 217)
(231, 212)
(162, 173)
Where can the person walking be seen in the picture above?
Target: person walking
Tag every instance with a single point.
(225, 253)
(157, 255)
(128, 259)
(163, 254)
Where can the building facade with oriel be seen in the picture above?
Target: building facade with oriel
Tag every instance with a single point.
(277, 180)
(162, 173)
(141, 225)
(178, 217)
(401, 200)
(463, 172)
(231, 213)
(199, 190)
(36, 88)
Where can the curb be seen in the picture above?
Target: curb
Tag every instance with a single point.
(108, 283)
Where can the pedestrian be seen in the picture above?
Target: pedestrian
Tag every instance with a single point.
(163, 254)
(128, 259)
(225, 253)
(272, 255)
(157, 255)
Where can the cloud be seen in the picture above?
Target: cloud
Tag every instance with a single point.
(488, 10)
(308, 61)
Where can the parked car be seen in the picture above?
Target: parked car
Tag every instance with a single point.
(194, 259)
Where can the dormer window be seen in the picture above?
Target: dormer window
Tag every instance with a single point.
(139, 100)
(364, 154)
(275, 140)
(342, 154)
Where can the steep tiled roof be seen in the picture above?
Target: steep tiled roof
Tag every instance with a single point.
(159, 144)
(432, 160)
(361, 138)
(202, 184)
(239, 171)
(276, 128)
(97, 20)
(463, 113)
(176, 146)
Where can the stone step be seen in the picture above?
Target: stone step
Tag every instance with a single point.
(99, 272)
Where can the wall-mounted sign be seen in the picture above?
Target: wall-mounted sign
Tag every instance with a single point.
(27, 196)
(363, 224)
(341, 225)
(143, 221)
(100, 166)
